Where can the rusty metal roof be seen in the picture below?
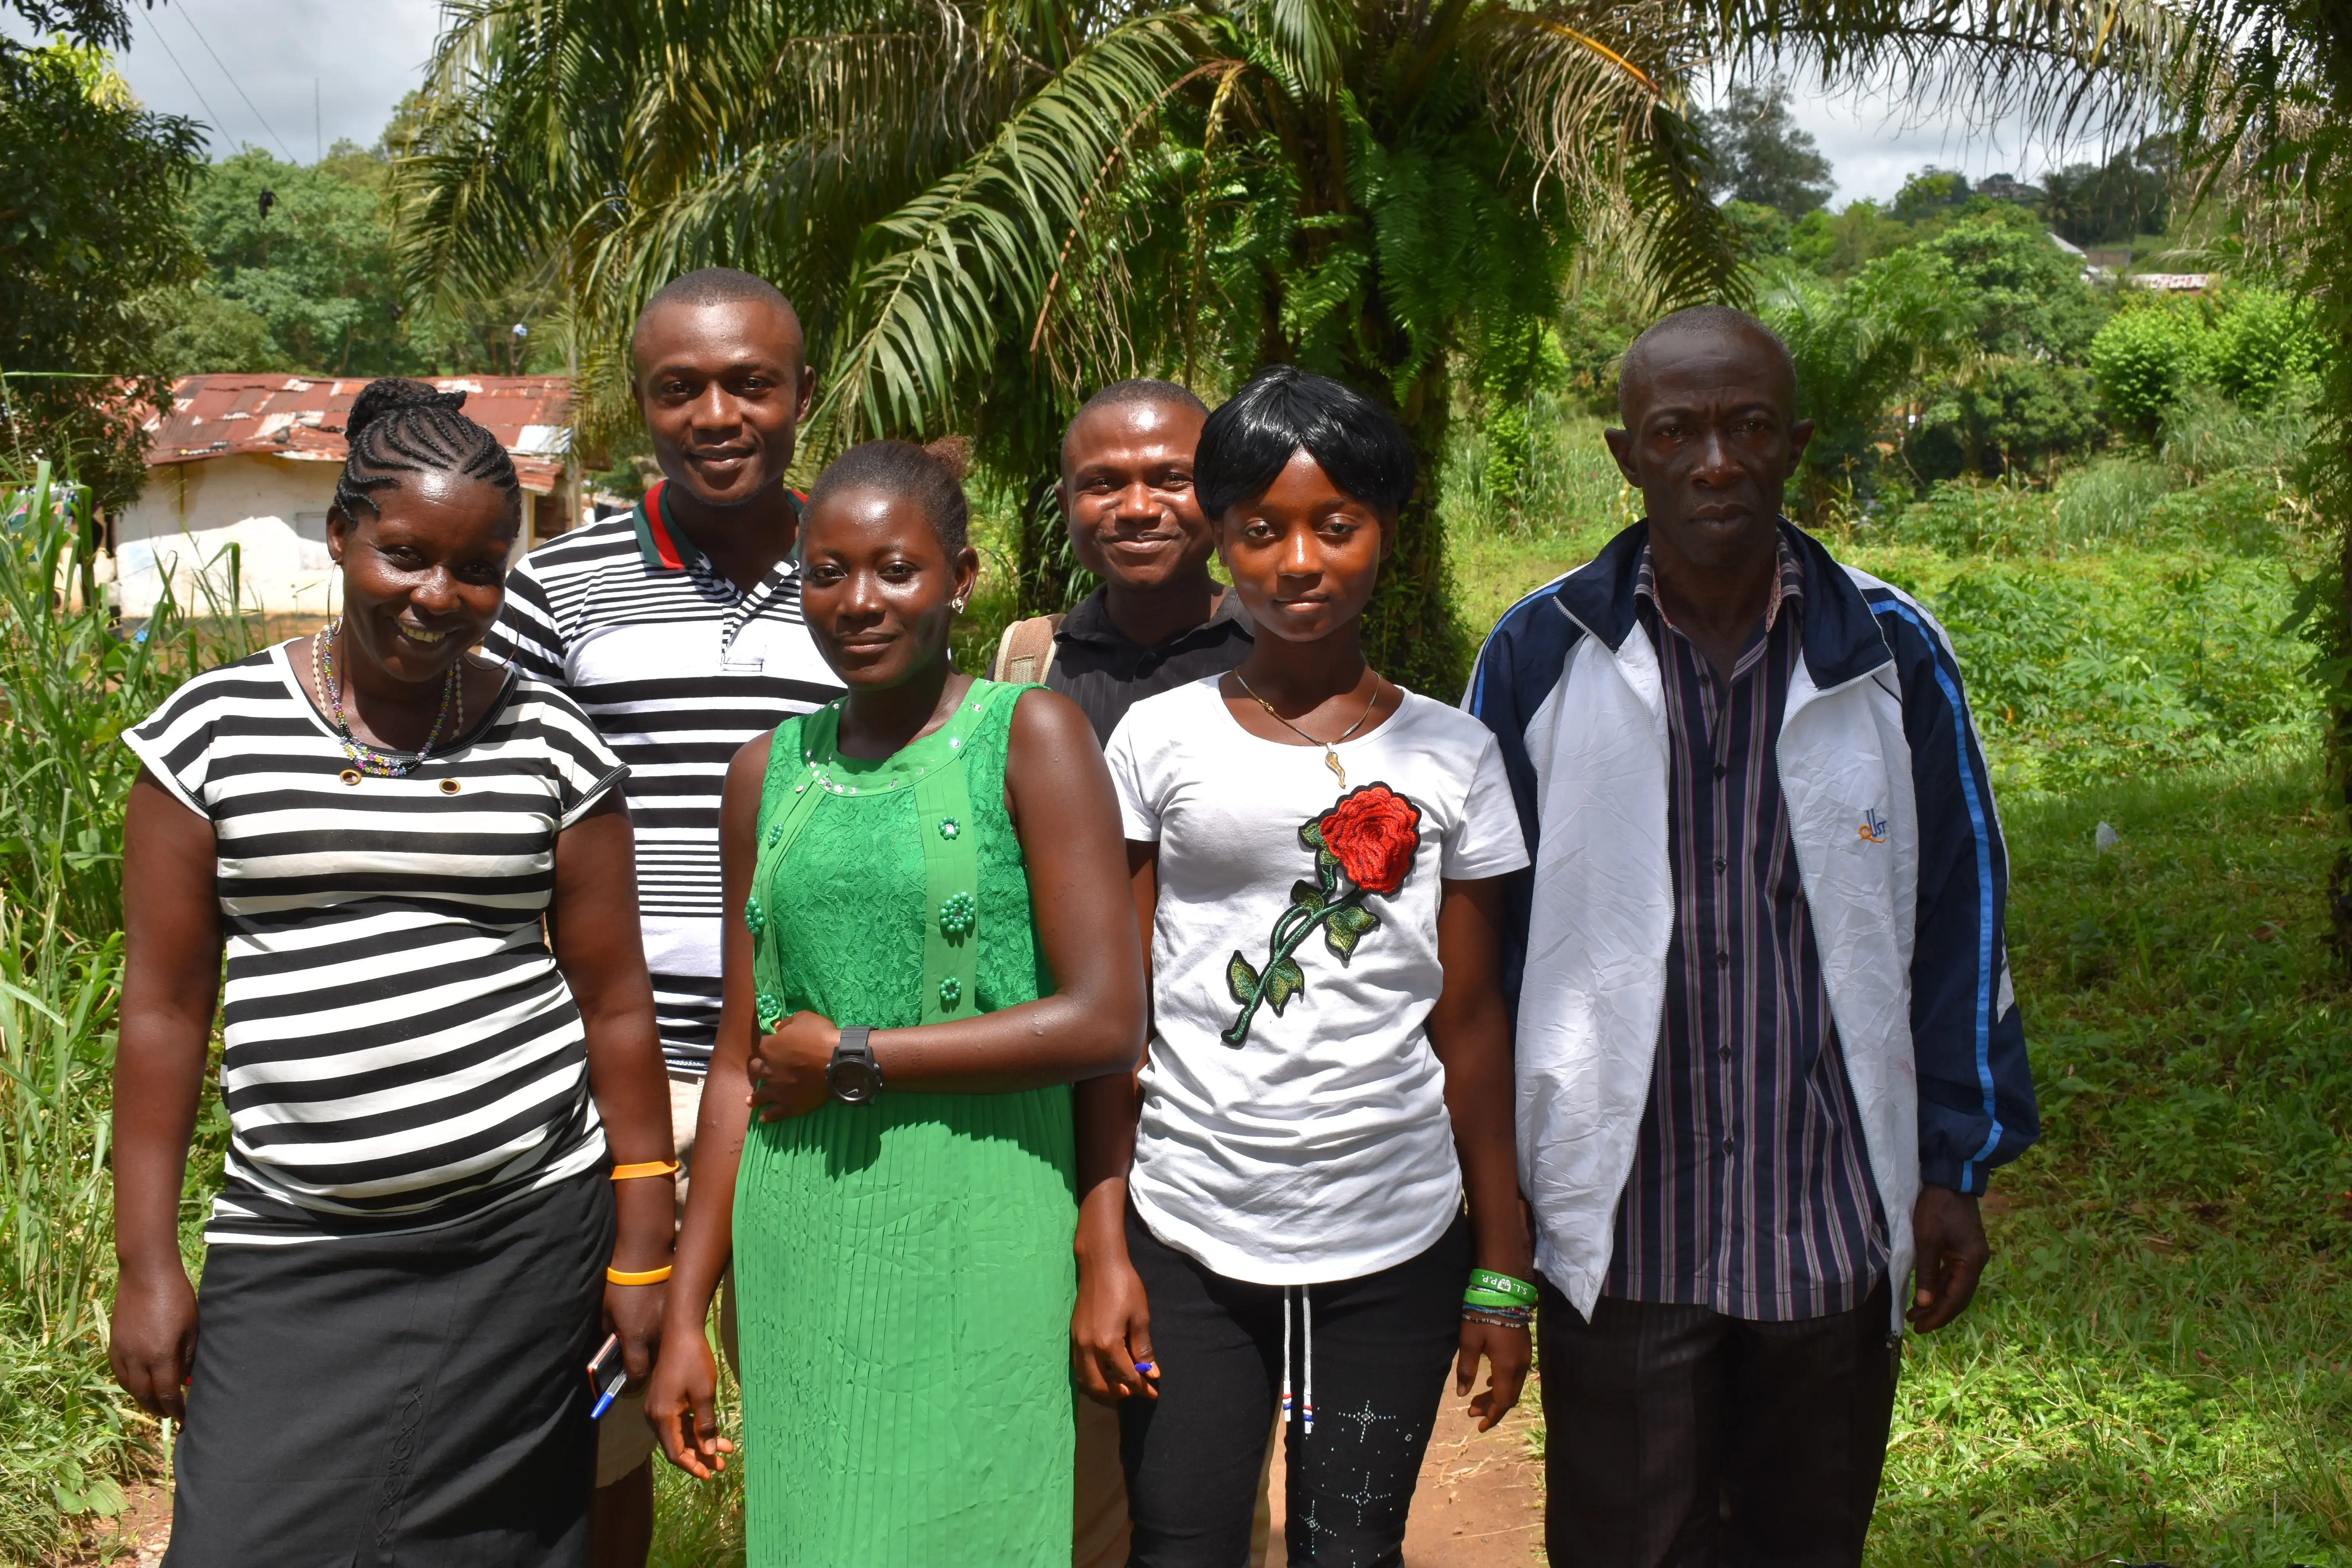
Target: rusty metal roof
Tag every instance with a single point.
(301, 419)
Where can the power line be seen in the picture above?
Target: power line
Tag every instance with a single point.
(191, 21)
(184, 77)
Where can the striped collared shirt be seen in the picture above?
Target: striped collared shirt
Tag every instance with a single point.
(1750, 1193)
(677, 667)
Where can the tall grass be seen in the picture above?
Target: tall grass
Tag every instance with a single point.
(69, 1441)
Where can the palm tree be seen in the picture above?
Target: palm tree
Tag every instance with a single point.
(982, 211)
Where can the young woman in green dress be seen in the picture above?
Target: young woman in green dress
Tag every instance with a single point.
(936, 938)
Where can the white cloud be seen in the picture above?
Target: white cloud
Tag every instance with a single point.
(1876, 141)
(315, 72)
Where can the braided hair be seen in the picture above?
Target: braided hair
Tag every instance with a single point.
(400, 426)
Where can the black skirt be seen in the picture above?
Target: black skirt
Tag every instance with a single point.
(414, 1400)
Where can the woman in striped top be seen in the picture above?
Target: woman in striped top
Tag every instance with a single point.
(437, 1037)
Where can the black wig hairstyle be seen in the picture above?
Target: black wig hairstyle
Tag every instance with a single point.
(1250, 439)
(399, 427)
(932, 477)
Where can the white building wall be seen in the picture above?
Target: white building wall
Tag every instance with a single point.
(274, 510)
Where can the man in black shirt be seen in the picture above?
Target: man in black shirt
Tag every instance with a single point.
(1159, 619)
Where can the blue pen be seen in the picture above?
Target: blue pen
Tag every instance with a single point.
(606, 1386)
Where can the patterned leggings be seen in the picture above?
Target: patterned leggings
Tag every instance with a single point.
(1381, 1346)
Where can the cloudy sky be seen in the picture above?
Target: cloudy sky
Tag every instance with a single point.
(294, 75)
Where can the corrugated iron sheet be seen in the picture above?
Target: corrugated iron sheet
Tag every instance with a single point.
(301, 419)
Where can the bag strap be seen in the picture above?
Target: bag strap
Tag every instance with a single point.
(1025, 652)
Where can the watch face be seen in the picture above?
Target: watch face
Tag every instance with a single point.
(851, 1081)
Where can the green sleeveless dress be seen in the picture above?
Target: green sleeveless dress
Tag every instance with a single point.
(903, 1271)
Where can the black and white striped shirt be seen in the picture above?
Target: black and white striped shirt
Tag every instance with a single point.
(677, 669)
(399, 1048)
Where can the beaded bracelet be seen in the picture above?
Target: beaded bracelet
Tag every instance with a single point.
(1499, 1317)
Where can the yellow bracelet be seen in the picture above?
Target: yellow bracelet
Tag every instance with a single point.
(645, 1277)
(648, 1168)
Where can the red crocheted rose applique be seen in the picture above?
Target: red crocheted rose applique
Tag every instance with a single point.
(1369, 839)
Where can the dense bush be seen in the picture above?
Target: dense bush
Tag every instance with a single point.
(2143, 357)
(2008, 417)
(2248, 343)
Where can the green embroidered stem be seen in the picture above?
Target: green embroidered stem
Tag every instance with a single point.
(1282, 978)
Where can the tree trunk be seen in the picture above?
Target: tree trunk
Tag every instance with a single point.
(2329, 281)
(1411, 633)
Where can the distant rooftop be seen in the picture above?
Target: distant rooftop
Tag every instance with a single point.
(301, 419)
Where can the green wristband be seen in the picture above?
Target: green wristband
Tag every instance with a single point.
(1474, 1297)
(1518, 1292)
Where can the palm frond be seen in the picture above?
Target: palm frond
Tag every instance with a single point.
(937, 281)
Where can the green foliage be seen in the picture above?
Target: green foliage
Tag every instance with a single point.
(311, 282)
(1837, 244)
(89, 226)
(1860, 346)
(2143, 357)
(2007, 415)
(1760, 232)
(2262, 339)
(1929, 191)
(2029, 296)
(1760, 157)
(68, 1439)
(2247, 342)
(2107, 204)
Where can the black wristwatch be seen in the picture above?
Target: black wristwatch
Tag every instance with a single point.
(852, 1076)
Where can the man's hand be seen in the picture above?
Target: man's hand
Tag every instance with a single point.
(788, 1067)
(1952, 1253)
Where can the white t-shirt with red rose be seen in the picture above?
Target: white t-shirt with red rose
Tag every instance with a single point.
(1318, 1147)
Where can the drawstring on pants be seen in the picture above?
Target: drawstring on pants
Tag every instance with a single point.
(1307, 1315)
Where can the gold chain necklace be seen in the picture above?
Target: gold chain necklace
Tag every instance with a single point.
(1330, 757)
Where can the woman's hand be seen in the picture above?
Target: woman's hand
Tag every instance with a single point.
(153, 1341)
(1508, 1353)
(788, 1067)
(635, 1312)
(1110, 1334)
(682, 1403)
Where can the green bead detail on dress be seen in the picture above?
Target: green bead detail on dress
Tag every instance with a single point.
(950, 827)
(958, 916)
(755, 920)
(950, 992)
(771, 1008)
(775, 831)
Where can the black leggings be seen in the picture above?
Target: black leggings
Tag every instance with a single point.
(1381, 1347)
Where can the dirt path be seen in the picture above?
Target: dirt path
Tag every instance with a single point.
(1480, 1499)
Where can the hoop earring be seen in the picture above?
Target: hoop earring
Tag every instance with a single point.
(956, 605)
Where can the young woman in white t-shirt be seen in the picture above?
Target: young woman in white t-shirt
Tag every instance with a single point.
(1272, 1216)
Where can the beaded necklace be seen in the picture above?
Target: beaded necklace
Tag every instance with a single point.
(365, 758)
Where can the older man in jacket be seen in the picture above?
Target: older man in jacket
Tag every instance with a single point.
(1768, 1051)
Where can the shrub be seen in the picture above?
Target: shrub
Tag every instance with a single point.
(2108, 499)
(2205, 433)
(2260, 340)
(2011, 416)
(2142, 359)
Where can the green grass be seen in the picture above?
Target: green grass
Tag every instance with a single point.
(2156, 1366)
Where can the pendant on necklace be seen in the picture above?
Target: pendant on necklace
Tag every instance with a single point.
(1331, 760)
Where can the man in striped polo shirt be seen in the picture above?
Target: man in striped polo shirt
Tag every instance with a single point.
(678, 630)
(1766, 1048)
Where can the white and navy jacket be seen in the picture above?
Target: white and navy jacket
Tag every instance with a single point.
(1891, 815)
